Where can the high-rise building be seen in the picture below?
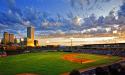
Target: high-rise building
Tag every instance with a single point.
(30, 36)
(36, 42)
(11, 38)
(6, 38)
(30, 33)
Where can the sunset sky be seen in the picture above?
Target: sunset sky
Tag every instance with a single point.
(61, 16)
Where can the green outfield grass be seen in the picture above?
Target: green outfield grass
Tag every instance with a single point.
(47, 63)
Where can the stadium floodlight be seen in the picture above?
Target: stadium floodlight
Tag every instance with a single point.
(71, 42)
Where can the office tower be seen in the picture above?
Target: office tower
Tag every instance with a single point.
(30, 36)
(11, 38)
(30, 33)
(36, 42)
(6, 38)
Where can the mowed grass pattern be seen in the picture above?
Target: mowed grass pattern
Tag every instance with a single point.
(47, 63)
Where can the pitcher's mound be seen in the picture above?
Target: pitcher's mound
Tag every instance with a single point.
(27, 74)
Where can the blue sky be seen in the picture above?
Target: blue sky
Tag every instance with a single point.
(61, 16)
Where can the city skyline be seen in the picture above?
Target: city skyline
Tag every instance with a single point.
(60, 16)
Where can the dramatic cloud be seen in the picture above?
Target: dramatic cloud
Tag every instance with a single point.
(111, 18)
(46, 20)
(90, 21)
(121, 14)
(77, 21)
(81, 3)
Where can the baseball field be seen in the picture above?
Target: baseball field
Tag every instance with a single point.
(51, 63)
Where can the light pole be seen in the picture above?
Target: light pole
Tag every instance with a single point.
(115, 40)
(115, 34)
(71, 43)
(47, 43)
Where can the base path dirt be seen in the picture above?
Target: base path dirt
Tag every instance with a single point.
(73, 58)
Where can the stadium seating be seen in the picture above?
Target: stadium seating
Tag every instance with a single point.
(114, 69)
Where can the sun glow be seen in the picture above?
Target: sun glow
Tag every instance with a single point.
(78, 41)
